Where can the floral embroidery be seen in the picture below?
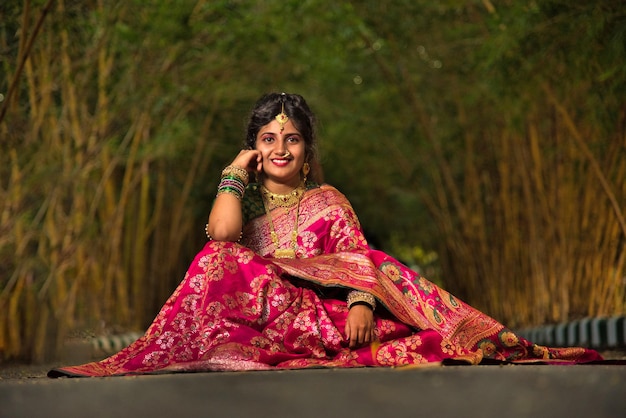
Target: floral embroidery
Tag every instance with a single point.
(154, 358)
(243, 298)
(448, 348)
(488, 348)
(245, 256)
(385, 327)
(508, 338)
(541, 351)
(308, 239)
(426, 286)
(303, 322)
(392, 272)
(190, 302)
(165, 341)
(197, 283)
(214, 308)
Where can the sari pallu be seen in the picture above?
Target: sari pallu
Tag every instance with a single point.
(239, 309)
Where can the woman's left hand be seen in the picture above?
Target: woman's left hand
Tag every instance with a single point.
(360, 326)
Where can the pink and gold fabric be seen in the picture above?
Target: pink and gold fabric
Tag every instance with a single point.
(238, 308)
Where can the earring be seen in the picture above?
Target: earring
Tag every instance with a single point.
(306, 168)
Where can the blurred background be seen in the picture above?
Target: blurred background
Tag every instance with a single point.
(483, 143)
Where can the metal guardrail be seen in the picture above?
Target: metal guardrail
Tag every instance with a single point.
(111, 344)
(597, 333)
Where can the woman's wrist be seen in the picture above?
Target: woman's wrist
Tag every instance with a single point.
(234, 180)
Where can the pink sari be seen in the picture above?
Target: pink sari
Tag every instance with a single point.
(239, 309)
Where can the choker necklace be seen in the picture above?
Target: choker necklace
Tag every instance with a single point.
(283, 200)
(287, 200)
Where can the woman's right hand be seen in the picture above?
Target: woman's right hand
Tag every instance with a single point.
(250, 159)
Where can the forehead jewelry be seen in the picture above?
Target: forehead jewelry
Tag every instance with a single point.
(282, 117)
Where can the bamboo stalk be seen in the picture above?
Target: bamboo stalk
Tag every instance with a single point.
(24, 52)
(140, 254)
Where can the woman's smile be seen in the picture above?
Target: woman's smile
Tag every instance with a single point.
(280, 162)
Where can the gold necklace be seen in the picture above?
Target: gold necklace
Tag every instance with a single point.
(283, 200)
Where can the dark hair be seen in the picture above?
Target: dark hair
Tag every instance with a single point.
(299, 113)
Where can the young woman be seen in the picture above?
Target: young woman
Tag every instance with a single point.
(287, 280)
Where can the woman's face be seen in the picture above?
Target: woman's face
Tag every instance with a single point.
(283, 156)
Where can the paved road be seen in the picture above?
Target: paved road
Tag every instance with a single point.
(459, 391)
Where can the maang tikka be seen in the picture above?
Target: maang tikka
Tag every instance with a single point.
(282, 117)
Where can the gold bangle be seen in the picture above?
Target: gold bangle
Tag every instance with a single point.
(359, 296)
(241, 173)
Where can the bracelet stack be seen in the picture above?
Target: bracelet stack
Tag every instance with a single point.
(234, 181)
(357, 296)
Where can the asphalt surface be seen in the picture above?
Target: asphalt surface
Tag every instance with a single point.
(440, 391)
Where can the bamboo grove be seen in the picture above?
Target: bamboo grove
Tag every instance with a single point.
(492, 135)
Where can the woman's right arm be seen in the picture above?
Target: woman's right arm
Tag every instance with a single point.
(225, 219)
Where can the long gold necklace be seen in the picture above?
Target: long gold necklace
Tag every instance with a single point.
(286, 201)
